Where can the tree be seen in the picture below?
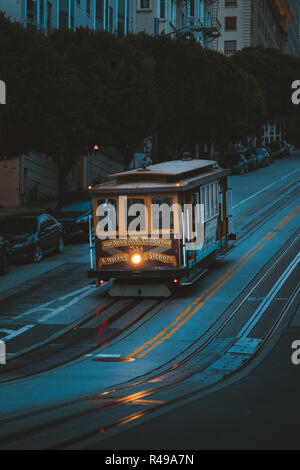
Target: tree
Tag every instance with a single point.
(26, 69)
(203, 96)
(274, 71)
(118, 87)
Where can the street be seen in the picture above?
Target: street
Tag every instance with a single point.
(86, 371)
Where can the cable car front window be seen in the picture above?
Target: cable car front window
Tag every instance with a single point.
(162, 215)
(107, 212)
(136, 215)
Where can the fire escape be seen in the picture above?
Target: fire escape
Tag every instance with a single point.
(209, 25)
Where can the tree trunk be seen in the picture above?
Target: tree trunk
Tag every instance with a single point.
(127, 153)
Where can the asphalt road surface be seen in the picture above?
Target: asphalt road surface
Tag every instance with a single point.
(210, 368)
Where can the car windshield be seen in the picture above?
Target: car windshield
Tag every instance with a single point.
(19, 225)
(79, 206)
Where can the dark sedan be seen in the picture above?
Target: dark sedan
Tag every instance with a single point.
(252, 160)
(276, 149)
(4, 256)
(32, 236)
(236, 162)
(73, 210)
(262, 155)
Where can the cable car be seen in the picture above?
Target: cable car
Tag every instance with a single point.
(158, 228)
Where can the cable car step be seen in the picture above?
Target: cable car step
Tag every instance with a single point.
(190, 282)
(139, 290)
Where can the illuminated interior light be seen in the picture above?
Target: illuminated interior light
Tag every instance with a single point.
(177, 185)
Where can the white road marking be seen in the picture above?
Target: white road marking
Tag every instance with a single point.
(264, 189)
(238, 229)
(47, 304)
(58, 310)
(14, 333)
(268, 299)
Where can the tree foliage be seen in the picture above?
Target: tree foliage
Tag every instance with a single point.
(274, 72)
(71, 90)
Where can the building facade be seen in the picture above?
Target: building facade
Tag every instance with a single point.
(247, 23)
(111, 15)
(176, 18)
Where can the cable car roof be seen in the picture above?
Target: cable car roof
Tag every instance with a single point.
(173, 176)
(173, 168)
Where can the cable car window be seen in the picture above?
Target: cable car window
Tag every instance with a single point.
(216, 198)
(136, 214)
(162, 217)
(108, 216)
(212, 202)
(207, 212)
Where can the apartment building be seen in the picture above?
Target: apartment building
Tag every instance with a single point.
(176, 18)
(111, 15)
(247, 23)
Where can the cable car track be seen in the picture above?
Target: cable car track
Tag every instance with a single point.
(290, 192)
(74, 343)
(172, 382)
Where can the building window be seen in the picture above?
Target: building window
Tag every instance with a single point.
(192, 7)
(32, 10)
(162, 9)
(111, 16)
(63, 19)
(49, 16)
(230, 3)
(144, 4)
(230, 47)
(88, 7)
(230, 23)
(99, 14)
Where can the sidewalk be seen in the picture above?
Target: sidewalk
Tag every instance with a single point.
(37, 207)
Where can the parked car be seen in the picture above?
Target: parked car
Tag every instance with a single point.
(4, 256)
(276, 149)
(285, 149)
(31, 236)
(270, 154)
(236, 161)
(262, 156)
(252, 160)
(73, 210)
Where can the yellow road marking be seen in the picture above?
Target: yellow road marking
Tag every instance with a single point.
(168, 331)
(199, 306)
(186, 311)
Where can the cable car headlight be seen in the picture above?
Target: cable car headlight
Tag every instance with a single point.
(136, 259)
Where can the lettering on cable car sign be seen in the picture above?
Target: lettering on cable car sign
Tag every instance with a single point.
(113, 259)
(136, 241)
(161, 257)
(147, 256)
